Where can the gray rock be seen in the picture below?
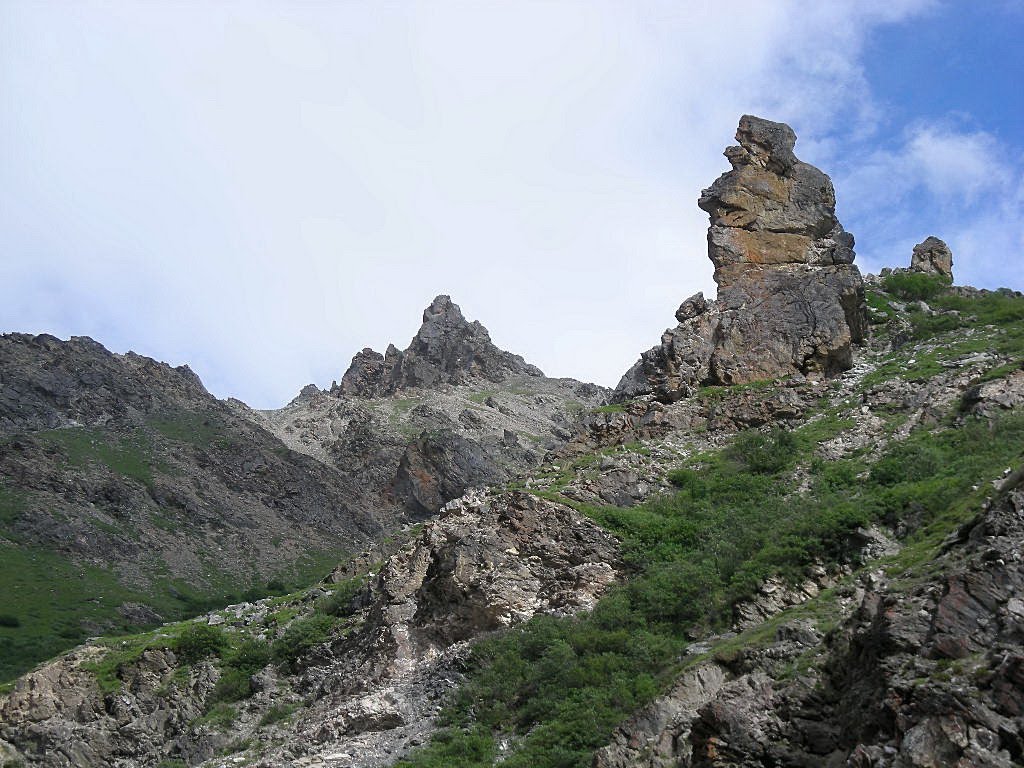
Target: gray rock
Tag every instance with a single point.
(789, 298)
(932, 255)
(447, 349)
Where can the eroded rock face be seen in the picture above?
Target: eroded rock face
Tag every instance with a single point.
(447, 349)
(933, 256)
(916, 676)
(789, 300)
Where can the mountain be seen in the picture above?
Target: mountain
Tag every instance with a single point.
(125, 477)
(792, 539)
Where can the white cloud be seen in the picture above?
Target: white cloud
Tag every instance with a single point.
(958, 183)
(261, 189)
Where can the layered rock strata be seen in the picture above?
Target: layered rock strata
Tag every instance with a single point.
(789, 299)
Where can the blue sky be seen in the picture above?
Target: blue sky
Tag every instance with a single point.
(260, 189)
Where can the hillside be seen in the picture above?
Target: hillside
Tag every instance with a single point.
(791, 538)
(148, 499)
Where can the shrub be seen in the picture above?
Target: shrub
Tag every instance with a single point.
(915, 286)
(341, 601)
(234, 685)
(199, 641)
(8, 620)
(277, 713)
(301, 635)
(764, 454)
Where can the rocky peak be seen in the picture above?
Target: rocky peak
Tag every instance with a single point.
(789, 299)
(447, 350)
(934, 256)
(47, 383)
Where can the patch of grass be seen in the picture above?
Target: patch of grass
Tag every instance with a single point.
(130, 457)
(278, 713)
(12, 505)
(196, 429)
(611, 408)
(302, 635)
(51, 596)
(222, 716)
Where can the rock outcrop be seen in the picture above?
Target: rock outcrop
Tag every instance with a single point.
(932, 255)
(447, 349)
(489, 561)
(789, 299)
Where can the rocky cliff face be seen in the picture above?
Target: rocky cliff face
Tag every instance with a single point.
(447, 349)
(366, 694)
(789, 300)
(418, 428)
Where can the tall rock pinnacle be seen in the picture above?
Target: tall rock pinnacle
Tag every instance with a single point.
(447, 349)
(789, 298)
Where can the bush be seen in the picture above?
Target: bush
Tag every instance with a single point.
(915, 286)
(764, 454)
(234, 685)
(341, 601)
(199, 641)
(277, 713)
(301, 635)
(8, 620)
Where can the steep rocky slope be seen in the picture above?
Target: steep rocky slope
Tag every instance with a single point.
(419, 427)
(819, 567)
(126, 476)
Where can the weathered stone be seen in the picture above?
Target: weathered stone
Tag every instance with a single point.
(932, 255)
(447, 349)
(789, 298)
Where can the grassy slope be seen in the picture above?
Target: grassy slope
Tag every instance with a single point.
(50, 601)
(556, 688)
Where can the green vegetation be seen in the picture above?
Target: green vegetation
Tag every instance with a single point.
(130, 457)
(611, 408)
(278, 713)
(301, 635)
(339, 602)
(558, 687)
(990, 323)
(915, 286)
(199, 641)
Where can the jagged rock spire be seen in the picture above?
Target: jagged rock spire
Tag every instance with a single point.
(447, 349)
(789, 298)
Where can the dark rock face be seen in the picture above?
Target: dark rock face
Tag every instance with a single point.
(789, 298)
(46, 383)
(438, 467)
(447, 349)
(932, 256)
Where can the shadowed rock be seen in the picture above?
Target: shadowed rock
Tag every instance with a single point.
(447, 349)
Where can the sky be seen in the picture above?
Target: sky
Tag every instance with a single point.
(261, 189)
